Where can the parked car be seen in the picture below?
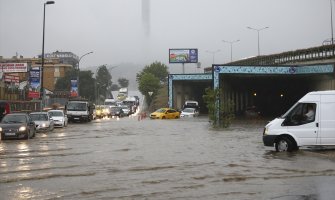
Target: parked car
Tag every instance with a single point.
(17, 126)
(59, 117)
(43, 121)
(189, 112)
(165, 113)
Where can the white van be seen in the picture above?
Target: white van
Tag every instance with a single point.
(310, 122)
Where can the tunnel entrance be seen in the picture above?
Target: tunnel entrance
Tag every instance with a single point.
(190, 90)
(183, 87)
(269, 91)
(269, 96)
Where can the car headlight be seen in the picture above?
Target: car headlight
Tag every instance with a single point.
(0, 129)
(22, 128)
(265, 132)
(44, 125)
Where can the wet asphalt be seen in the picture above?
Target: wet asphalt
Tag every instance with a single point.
(161, 159)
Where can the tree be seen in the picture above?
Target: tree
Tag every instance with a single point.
(86, 85)
(64, 83)
(149, 83)
(158, 69)
(225, 108)
(115, 87)
(123, 82)
(161, 99)
(104, 81)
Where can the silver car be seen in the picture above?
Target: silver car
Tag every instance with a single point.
(189, 112)
(43, 121)
(59, 117)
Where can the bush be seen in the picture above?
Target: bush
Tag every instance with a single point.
(225, 108)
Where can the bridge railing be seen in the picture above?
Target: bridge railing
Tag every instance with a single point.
(302, 55)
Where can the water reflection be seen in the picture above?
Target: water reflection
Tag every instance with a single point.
(24, 193)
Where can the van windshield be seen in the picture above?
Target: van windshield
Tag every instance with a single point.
(289, 111)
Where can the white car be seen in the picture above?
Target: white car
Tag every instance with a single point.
(43, 121)
(189, 112)
(60, 119)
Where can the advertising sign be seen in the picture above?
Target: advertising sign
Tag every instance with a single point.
(183, 55)
(12, 79)
(74, 88)
(34, 83)
(13, 67)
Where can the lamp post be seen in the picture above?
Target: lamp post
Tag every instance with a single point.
(331, 25)
(213, 53)
(231, 48)
(258, 30)
(79, 69)
(42, 93)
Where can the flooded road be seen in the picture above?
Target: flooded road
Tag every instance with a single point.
(160, 159)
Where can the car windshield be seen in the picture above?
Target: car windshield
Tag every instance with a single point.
(162, 110)
(14, 119)
(115, 108)
(39, 117)
(188, 110)
(56, 114)
(76, 106)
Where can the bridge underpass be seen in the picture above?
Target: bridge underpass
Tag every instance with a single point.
(184, 87)
(191, 90)
(270, 95)
(271, 90)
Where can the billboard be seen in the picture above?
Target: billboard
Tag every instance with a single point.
(34, 83)
(12, 79)
(74, 88)
(183, 55)
(13, 67)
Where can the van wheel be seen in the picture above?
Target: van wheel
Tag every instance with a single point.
(285, 144)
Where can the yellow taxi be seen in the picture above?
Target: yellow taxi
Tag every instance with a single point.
(165, 113)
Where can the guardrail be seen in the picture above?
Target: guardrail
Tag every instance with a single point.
(324, 52)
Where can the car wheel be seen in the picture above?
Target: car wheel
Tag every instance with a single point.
(163, 117)
(285, 144)
(177, 117)
(27, 136)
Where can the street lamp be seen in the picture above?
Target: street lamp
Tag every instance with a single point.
(42, 93)
(258, 30)
(331, 24)
(231, 48)
(213, 53)
(79, 68)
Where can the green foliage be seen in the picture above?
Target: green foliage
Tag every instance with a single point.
(86, 85)
(104, 82)
(64, 83)
(161, 99)
(115, 87)
(226, 112)
(148, 83)
(123, 82)
(158, 69)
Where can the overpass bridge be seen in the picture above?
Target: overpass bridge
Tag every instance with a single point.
(270, 83)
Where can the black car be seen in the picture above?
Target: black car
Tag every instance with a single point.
(17, 126)
(116, 111)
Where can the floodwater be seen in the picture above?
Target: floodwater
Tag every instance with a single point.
(160, 159)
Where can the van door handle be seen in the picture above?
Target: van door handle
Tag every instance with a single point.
(317, 124)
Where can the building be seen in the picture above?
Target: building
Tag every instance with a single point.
(55, 67)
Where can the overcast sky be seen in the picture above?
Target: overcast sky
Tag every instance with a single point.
(114, 29)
